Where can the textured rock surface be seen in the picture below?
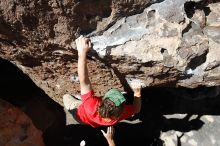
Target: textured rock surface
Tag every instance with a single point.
(207, 135)
(16, 128)
(163, 43)
(166, 45)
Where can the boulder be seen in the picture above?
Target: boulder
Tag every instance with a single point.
(16, 127)
(162, 43)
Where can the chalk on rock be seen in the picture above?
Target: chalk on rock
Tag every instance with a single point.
(134, 81)
(74, 78)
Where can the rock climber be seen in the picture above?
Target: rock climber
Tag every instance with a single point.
(99, 111)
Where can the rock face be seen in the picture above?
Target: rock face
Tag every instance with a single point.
(207, 135)
(16, 128)
(163, 43)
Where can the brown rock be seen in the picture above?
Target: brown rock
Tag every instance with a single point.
(16, 128)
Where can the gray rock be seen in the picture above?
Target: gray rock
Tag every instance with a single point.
(207, 135)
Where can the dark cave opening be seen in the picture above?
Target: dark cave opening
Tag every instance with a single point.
(18, 89)
(190, 7)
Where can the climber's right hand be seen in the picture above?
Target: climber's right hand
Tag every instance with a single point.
(83, 45)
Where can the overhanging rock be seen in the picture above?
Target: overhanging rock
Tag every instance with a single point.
(162, 43)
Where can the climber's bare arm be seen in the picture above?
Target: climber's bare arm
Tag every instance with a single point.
(136, 87)
(83, 46)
